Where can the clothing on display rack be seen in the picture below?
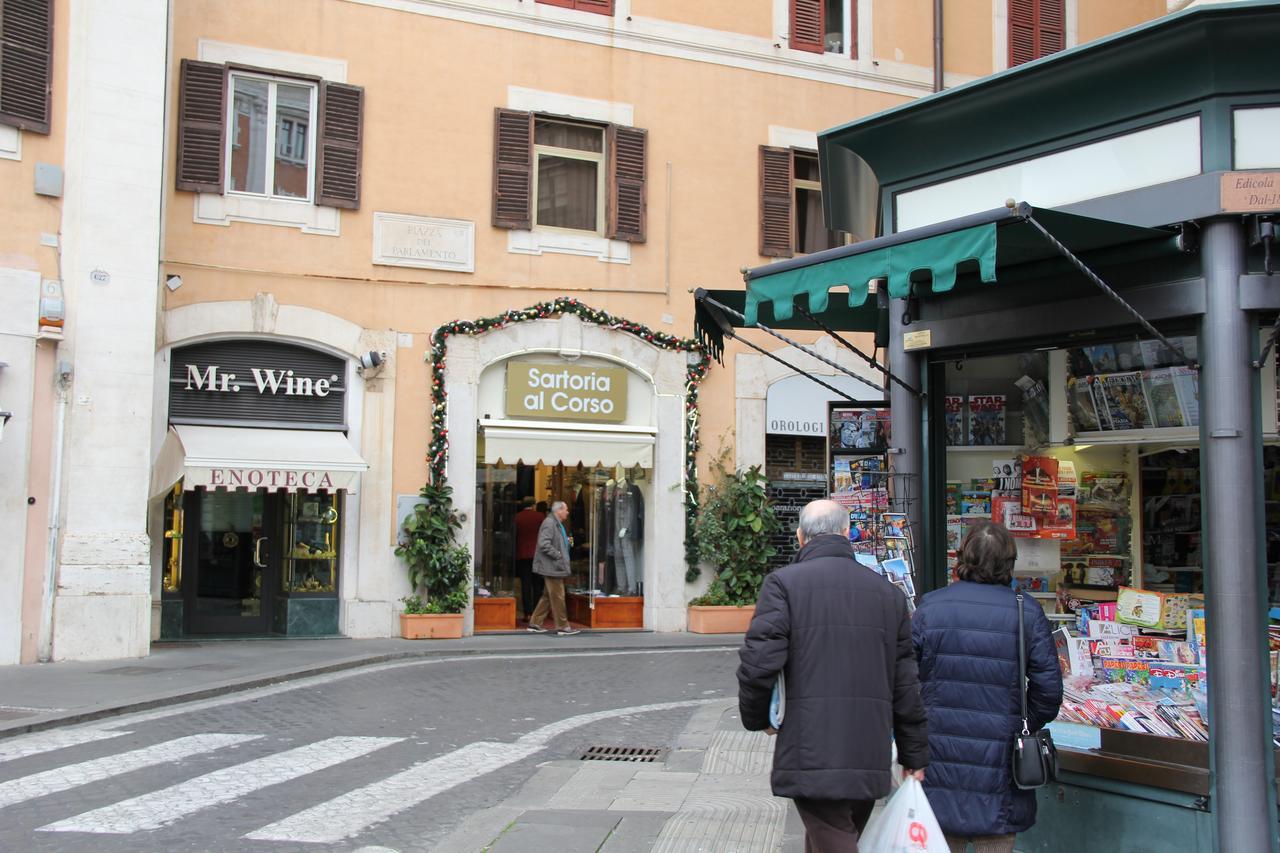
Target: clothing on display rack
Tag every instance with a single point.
(628, 503)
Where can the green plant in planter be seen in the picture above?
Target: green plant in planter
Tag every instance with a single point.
(435, 563)
(734, 525)
(413, 605)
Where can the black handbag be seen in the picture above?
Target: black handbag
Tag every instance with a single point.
(1035, 758)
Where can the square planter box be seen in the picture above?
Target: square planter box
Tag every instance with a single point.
(621, 612)
(707, 619)
(431, 626)
(495, 614)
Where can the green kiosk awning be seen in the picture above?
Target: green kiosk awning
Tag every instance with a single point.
(983, 243)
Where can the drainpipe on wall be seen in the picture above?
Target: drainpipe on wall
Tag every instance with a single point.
(937, 45)
(44, 648)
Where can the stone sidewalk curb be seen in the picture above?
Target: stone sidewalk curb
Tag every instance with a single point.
(58, 720)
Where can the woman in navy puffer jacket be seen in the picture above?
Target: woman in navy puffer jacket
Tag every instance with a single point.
(966, 640)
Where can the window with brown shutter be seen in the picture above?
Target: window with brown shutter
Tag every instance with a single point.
(808, 27)
(602, 7)
(512, 169)
(1036, 28)
(26, 63)
(201, 119)
(341, 132)
(627, 183)
(819, 26)
(775, 202)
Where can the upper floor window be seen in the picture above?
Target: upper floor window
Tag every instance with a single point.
(270, 135)
(552, 172)
(791, 220)
(1036, 28)
(271, 146)
(568, 175)
(26, 68)
(823, 26)
(603, 7)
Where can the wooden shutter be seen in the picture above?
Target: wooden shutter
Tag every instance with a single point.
(603, 7)
(808, 27)
(512, 169)
(1036, 28)
(776, 194)
(26, 63)
(626, 152)
(339, 145)
(202, 118)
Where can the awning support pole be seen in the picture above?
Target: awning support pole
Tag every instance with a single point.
(804, 349)
(788, 364)
(869, 359)
(1115, 297)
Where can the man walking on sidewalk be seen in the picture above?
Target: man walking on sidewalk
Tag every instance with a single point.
(551, 560)
(841, 636)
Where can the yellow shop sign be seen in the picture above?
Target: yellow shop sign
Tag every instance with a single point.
(560, 392)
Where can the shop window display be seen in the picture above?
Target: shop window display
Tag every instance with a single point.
(311, 543)
(606, 527)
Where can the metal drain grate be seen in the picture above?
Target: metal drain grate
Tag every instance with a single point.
(624, 753)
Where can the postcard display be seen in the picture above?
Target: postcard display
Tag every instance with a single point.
(1108, 532)
(876, 498)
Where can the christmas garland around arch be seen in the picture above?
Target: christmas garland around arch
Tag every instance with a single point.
(696, 371)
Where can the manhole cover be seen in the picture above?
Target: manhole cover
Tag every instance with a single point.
(624, 753)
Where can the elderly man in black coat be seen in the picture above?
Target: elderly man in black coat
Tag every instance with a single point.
(841, 636)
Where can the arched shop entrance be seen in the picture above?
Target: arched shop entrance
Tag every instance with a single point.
(559, 409)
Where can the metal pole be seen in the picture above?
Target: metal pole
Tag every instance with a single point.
(1230, 464)
(907, 462)
(937, 46)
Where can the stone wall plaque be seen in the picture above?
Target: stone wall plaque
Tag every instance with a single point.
(424, 242)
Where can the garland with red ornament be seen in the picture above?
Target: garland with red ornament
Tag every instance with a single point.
(438, 448)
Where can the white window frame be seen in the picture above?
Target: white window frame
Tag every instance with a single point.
(846, 34)
(270, 143)
(571, 154)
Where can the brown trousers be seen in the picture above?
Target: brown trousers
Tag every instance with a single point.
(553, 600)
(982, 843)
(833, 826)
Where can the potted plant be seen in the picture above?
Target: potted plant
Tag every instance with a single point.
(734, 528)
(436, 565)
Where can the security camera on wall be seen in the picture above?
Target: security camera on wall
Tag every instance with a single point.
(372, 360)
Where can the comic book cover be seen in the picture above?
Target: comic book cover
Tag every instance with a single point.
(1040, 485)
(1102, 357)
(1007, 474)
(1062, 523)
(954, 409)
(1007, 509)
(893, 525)
(1112, 647)
(1073, 570)
(1126, 400)
(1105, 489)
(986, 420)
(1162, 396)
(1033, 583)
(955, 532)
(1123, 670)
(1106, 572)
(1128, 355)
(1084, 414)
(975, 503)
(1186, 384)
(952, 496)
(1100, 403)
(860, 429)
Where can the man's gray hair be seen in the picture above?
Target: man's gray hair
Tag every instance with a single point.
(558, 505)
(820, 517)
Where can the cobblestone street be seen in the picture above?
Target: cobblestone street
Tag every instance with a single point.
(395, 755)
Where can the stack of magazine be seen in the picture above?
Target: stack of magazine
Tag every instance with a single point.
(1132, 386)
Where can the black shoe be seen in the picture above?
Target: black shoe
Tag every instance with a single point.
(568, 632)
(537, 629)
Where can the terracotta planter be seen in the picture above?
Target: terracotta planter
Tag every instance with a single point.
(709, 619)
(431, 626)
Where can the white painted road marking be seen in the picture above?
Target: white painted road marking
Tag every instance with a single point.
(152, 811)
(73, 775)
(348, 815)
(34, 744)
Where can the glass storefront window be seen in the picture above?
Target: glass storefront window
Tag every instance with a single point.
(605, 526)
(171, 578)
(310, 542)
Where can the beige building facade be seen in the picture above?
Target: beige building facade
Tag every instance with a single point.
(321, 186)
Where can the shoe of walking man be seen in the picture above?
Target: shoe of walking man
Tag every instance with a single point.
(551, 560)
(841, 636)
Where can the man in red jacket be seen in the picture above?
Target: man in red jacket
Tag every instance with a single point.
(528, 520)
(841, 635)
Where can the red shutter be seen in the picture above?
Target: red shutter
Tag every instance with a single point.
(603, 7)
(808, 27)
(512, 169)
(1022, 31)
(568, 4)
(776, 191)
(202, 117)
(339, 145)
(1051, 27)
(26, 63)
(626, 153)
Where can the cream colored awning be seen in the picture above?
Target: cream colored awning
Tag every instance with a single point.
(293, 460)
(549, 442)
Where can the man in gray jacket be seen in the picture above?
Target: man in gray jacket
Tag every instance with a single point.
(551, 560)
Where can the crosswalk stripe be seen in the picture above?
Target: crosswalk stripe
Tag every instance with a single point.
(25, 745)
(166, 806)
(346, 816)
(73, 775)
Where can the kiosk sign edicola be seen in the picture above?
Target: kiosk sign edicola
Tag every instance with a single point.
(566, 392)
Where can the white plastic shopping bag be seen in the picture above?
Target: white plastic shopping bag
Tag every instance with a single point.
(905, 825)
